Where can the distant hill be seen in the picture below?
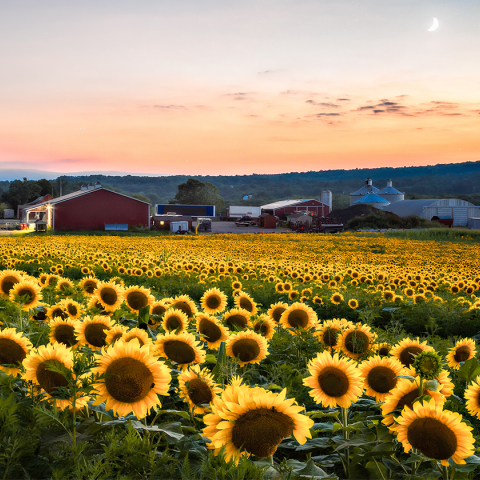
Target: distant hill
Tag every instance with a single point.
(455, 179)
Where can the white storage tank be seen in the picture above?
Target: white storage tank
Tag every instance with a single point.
(181, 226)
(326, 198)
(392, 194)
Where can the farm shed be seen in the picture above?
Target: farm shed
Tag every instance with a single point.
(282, 208)
(265, 220)
(474, 222)
(21, 209)
(91, 209)
(162, 222)
(459, 210)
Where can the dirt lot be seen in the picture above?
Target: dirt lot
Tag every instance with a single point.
(230, 227)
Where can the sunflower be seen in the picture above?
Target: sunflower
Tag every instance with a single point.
(357, 340)
(37, 369)
(183, 349)
(13, 349)
(328, 333)
(246, 302)
(279, 288)
(63, 284)
(336, 298)
(293, 295)
(333, 380)
(276, 310)
(406, 350)
(158, 308)
(237, 318)
(236, 285)
(404, 395)
(115, 333)
(380, 375)
(93, 331)
(463, 351)
(472, 396)
(298, 315)
(197, 387)
(51, 280)
(265, 326)
(133, 381)
(383, 349)
(39, 314)
(253, 421)
(97, 308)
(57, 310)
(8, 278)
(89, 285)
(137, 298)
(353, 304)
(186, 305)
(247, 347)
(175, 320)
(28, 289)
(436, 433)
(137, 334)
(63, 331)
(72, 308)
(213, 301)
(109, 295)
(211, 331)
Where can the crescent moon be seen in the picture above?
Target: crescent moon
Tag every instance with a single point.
(434, 26)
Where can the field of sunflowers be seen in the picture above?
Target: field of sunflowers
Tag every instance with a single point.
(236, 357)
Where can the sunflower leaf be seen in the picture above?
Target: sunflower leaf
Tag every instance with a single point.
(469, 370)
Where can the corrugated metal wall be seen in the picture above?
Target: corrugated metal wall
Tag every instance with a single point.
(460, 214)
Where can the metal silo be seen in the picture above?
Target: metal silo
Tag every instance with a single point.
(365, 190)
(326, 198)
(391, 194)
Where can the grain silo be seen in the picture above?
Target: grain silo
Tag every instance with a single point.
(326, 198)
(391, 194)
(365, 190)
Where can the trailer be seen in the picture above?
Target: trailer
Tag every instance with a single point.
(234, 212)
(190, 210)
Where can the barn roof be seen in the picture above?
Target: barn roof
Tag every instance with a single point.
(286, 203)
(79, 193)
(371, 198)
(365, 190)
(389, 190)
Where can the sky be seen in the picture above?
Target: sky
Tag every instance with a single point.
(222, 87)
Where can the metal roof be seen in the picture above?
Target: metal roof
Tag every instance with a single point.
(371, 198)
(79, 193)
(285, 203)
(389, 190)
(366, 189)
(405, 208)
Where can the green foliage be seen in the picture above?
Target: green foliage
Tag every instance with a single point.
(194, 192)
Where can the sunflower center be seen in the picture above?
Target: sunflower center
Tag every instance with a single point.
(173, 323)
(95, 333)
(297, 318)
(184, 307)
(277, 313)
(263, 328)
(128, 380)
(89, 287)
(462, 354)
(137, 300)
(29, 294)
(116, 337)
(179, 352)
(407, 357)
(10, 352)
(72, 309)
(260, 431)
(236, 321)
(357, 342)
(8, 283)
(333, 382)
(381, 379)
(199, 392)
(384, 351)
(49, 380)
(209, 330)
(330, 336)
(213, 301)
(158, 310)
(65, 334)
(58, 312)
(246, 349)
(109, 295)
(433, 438)
(246, 304)
(408, 399)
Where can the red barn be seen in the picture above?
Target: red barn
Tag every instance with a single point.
(21, 208)
(281, 208)
(93, 208)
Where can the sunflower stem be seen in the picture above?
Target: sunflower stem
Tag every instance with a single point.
(420, 388)
(346, 436)
(445, 474)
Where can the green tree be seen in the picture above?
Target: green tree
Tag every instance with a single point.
(47, 187)
(194, 192)
(21, 192)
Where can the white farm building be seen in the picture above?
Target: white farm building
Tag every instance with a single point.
(459, 210)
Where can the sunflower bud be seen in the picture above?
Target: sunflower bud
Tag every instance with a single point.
(428, 365)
